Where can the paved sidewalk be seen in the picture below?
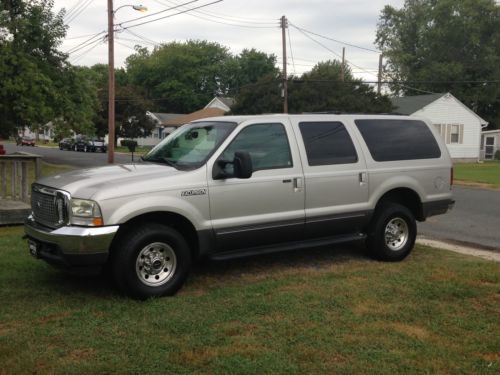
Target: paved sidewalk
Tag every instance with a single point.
(484, 254)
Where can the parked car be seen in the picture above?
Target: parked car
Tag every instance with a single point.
(66, 144)
(89, 144)
(25, 141)
(2, 150)
(234, 186)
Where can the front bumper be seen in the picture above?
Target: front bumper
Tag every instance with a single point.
(70, 246)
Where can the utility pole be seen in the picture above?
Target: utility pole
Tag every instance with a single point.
(342, 68)
(379, 85)
(285, 76)
(111, 85)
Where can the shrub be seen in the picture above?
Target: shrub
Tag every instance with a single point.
(497, 155)
(131, 144)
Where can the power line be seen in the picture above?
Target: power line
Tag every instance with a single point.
(155, 13)
(84, 43)
(172, 15)
(227, 17)
(77, 13)
(332, 51)
(71, 10)
(335, 40)
(92, 46)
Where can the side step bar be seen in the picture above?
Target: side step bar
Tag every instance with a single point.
(287, 246)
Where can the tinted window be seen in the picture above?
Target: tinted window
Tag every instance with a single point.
(390, 140)
(327, 143)
(267, 144)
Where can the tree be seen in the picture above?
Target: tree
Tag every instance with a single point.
(185, 76)
(29, 61)
(445, 45)
(319, 90)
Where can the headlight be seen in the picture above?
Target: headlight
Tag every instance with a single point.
(85, 212)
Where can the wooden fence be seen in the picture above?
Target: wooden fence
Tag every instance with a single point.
(17, 172)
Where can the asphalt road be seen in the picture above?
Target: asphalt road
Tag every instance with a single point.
(475, 218)
(74, 158)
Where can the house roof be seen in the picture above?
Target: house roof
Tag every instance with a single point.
(202, 113)
(164, 117)
(408, 105)
(221, 102)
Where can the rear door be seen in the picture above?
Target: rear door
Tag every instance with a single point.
(267, 208)
(335, 175)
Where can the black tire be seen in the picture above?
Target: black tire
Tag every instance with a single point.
(136, 258)
(392, 233)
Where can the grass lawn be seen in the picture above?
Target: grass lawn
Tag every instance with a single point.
(314, 311)
(485, 173)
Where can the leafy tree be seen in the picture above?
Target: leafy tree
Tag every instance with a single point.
(248, 67)
(437, 45)
(37, 84)
(319, 90)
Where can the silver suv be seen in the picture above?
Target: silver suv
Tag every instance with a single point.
(236, 186)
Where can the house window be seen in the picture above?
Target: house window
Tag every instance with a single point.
(455, 134)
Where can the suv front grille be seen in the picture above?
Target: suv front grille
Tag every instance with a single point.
(49, 206)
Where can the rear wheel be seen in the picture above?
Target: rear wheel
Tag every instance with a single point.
(392, 234)
(152, 261)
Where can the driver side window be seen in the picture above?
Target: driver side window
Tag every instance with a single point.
(267, 145)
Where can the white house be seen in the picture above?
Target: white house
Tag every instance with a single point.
(490, 144)
(221, 103)
(459, 126)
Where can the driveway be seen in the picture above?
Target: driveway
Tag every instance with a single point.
(475, 219)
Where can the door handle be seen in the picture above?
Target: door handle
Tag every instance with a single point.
(363, 178)
(297, 184)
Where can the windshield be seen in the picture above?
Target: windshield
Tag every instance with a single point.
(191, 145)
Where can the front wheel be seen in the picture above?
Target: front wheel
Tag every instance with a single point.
(392, 233)
(152, 261)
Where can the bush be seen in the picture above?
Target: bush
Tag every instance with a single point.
(497, 155)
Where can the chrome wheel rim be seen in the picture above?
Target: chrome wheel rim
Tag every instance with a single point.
(396, 234)
(156, 264)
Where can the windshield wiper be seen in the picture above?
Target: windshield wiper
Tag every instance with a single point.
(170, 162)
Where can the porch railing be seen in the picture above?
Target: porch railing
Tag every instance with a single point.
(17, 172)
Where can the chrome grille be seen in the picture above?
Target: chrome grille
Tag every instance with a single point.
(48, 206)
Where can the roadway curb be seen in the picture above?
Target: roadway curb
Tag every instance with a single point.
(484, 254)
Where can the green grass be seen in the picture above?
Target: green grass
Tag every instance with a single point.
(314, 311)
(485, 173)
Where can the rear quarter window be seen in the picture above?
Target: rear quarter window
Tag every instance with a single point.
(393, 139)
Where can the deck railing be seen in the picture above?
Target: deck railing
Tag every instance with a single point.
(17, 172)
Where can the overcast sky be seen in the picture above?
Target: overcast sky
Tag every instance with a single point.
(236, 24)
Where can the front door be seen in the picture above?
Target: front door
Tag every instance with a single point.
(489, 148)
(268, 207)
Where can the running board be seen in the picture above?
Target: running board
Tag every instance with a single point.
(296, 245)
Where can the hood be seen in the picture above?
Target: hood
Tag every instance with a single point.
(84, 183)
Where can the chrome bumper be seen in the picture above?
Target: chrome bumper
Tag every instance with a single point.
(72, 240)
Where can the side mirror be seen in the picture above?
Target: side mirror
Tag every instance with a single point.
(242, 167)
(242, 164)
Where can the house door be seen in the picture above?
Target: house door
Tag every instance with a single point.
(489, 148)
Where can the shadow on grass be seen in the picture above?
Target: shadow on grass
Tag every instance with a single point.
(208, 273)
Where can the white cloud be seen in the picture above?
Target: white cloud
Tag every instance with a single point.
(351, 21)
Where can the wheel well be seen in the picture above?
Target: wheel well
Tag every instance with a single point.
(405, 197)
(173, 220)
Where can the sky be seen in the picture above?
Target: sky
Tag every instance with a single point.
(236, 24)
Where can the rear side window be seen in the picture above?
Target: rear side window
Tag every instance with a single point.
(391, 140)
(327, 143)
